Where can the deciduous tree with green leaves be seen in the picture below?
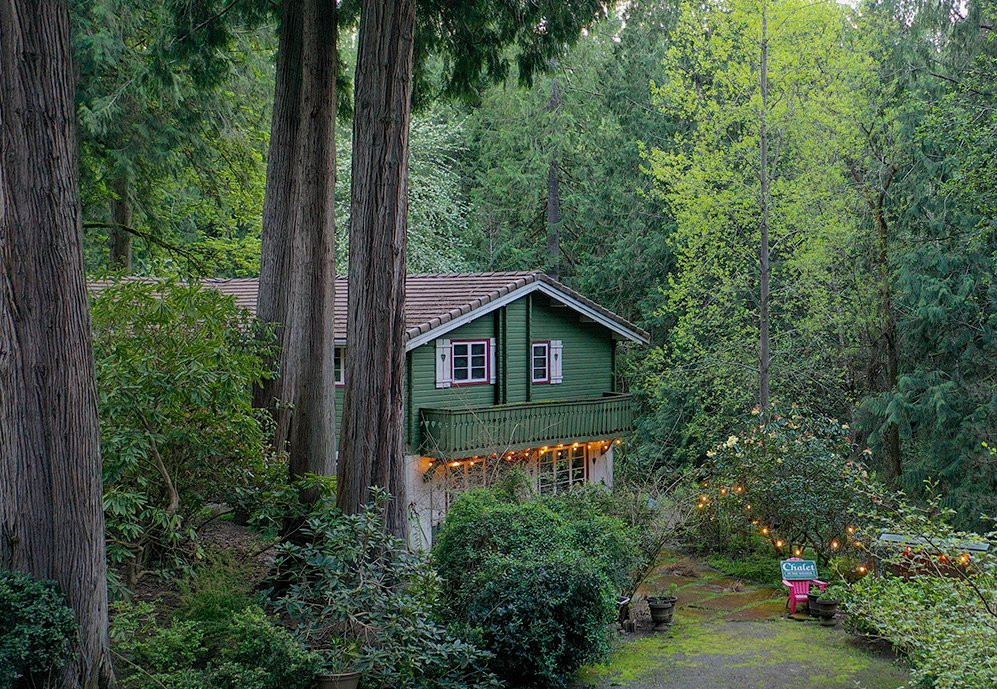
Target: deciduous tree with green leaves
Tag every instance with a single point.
(760, 197)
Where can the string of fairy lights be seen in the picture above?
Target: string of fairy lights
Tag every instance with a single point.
(835, 544)
(600, 446)
(768, 531)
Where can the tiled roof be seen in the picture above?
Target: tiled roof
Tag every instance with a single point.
(432, 301)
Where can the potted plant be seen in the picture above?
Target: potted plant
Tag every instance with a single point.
(339, 664)
(663, 608)
(812, 595)
(827, 608)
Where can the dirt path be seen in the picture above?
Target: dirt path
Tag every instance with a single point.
(732, 635)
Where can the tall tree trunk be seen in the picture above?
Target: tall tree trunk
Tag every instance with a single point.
(51, 517)
(311, 311)
(554, 195)
(372, 451)
(297, 272)
(121, 216)
(891, 346)
(764, 355)
(278, 202)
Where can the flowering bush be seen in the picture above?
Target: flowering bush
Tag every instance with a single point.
(787, 480)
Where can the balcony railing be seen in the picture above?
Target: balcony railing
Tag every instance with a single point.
(508, 427)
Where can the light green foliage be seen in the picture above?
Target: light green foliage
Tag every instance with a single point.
(706, 374)
(37, 629)
(793, 477)
(363, 601)
(932, 599)
(175, 366)
(536, 580)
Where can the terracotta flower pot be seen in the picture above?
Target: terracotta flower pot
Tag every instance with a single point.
(662, 611)
(338, 680)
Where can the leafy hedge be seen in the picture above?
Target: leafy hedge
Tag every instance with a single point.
(535, 580)
(363, 601)
(36, 628)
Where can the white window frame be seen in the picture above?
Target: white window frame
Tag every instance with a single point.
(469, 344)
(339, 361)
(564, 471)
(533, 361)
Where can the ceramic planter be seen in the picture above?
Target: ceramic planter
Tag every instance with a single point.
(812, 604)
(338, 680)
(662, 611)
(826, 610)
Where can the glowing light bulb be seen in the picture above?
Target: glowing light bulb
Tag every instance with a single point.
(834, 545)
(779, 543)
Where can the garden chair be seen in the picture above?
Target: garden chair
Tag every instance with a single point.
(799, 588)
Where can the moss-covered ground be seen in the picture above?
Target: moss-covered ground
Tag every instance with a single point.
(732, 635)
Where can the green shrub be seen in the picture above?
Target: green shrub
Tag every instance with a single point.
(258, 654)
(942, 611)
(363, 601)
(175, 368)
(36, 628)
(542, 618)
(219, 588)
(251, 652)
(756, 566)
(592, 516)
(535, 580)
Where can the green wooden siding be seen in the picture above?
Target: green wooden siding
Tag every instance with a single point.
(587, 374)
(588, 352)
(424, 392)
(517, 351)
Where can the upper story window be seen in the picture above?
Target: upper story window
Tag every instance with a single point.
(469, 361)
(339, 362)
(540, 362)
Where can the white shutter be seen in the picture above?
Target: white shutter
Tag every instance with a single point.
(556, 355)
(491, 360)
(443, 366)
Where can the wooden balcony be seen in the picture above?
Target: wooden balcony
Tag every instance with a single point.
(503, 428)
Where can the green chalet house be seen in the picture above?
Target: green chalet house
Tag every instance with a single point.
(503, 369)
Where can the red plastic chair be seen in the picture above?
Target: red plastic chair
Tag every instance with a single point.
(799, 589)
